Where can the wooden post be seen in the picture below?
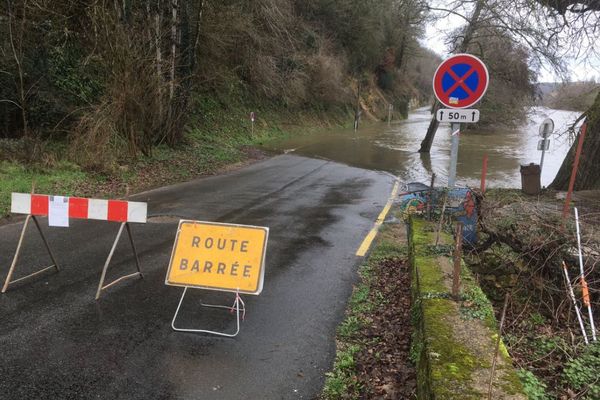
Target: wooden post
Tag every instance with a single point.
(357, 111)
(574, 172)
(430, 199)
(493, 372)
(441, 222)
(457, 261)
(484, 173)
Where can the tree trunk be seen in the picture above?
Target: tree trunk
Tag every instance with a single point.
(157, 44)
(588, 175)
(17, 50)
(173, 49)
(194, 48)
(464, 46)
(431, 130)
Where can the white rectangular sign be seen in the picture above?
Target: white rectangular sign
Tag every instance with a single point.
(58, 211)
(543, 144)
(457, 115)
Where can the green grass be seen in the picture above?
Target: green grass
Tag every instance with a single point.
(14, 177)
(341, 381)
(215, 136)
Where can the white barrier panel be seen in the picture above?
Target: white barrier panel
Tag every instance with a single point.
(59, 209)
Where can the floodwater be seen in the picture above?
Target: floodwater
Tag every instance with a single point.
(394, 149)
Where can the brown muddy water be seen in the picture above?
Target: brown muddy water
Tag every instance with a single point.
(394, 149)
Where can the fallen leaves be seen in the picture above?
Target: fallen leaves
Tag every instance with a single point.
(384, 367)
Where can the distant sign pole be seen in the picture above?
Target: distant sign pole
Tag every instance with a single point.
(546, 129)
(458, 83)
(252, 118)
(390, 109)
(215, 256)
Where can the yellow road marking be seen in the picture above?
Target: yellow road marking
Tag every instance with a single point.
(366, 243)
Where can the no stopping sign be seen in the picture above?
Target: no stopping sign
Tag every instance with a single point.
(460, 81)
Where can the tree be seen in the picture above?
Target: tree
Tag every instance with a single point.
(587, 176)
(523, 26)
(112, 79)
(16, 31)
(581, 22)
(472, 24)
(511, 88)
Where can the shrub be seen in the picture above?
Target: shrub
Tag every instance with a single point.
(581, 373)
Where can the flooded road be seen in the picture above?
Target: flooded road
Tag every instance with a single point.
(395, 149)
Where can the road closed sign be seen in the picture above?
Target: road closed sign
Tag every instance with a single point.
(215, 256)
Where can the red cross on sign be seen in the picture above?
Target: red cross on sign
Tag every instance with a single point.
(460, 81)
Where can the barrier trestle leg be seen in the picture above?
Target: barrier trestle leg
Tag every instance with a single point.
(18, 252)
(101, 285)
(238, 305)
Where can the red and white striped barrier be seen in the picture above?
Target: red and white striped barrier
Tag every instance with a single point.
(60, 209)
(81, 208)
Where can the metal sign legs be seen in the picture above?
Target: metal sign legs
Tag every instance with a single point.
(110, 255)
(101, 285)
(18, 251)
(238, 305)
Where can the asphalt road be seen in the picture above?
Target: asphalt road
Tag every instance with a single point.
(57, 342)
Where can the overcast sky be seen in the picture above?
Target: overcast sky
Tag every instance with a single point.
(434, 39)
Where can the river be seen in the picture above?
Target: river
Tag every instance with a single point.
(394, 148)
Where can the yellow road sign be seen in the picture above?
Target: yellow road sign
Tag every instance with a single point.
(210, 255)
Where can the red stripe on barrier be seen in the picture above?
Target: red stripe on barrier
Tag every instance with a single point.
(117, 211)
(39, 204)
(78, 208)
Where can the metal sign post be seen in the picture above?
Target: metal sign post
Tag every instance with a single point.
(390, 108)
(453, 155)
(546, 129)
(458, 83)
(252, 118)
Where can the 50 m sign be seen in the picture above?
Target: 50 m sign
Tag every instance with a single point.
(457, 115)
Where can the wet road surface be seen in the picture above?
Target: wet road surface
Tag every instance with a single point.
(56, 342)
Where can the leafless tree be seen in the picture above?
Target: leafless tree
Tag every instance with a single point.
(524, 23)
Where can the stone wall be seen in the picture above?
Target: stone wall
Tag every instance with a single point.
(454, 341)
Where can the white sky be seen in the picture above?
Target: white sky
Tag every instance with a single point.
(434, 39)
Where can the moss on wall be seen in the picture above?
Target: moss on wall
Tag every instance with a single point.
(454, 342)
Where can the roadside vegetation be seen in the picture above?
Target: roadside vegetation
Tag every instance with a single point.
(113, 91)
(522, 246)
(373, 342)
(222, 141)
(573, 96)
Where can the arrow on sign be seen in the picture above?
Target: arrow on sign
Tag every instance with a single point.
(457, 115)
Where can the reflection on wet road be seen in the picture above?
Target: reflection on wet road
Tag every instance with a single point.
(58, 343)
(394, 148)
